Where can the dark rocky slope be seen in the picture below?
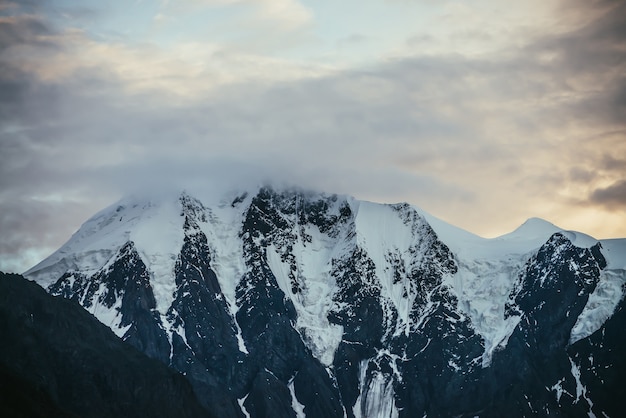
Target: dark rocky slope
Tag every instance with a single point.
(57, 360)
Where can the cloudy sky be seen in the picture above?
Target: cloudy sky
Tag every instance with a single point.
(482, 112)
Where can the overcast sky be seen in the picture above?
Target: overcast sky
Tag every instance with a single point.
(483, 112)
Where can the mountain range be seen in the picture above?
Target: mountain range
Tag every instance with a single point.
(278, 302)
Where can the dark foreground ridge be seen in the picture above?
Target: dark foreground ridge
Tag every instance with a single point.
(57, 360)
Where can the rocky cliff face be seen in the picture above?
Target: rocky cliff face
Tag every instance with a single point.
(286, 303)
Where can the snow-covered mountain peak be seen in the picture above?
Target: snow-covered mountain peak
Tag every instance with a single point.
(533, 227)
(246, 291)
(535, 231)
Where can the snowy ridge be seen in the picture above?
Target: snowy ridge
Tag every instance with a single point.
(91, 247)
(152, 224)
(488, 269)
(487, 272)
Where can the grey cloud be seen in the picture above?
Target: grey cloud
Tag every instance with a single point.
(20, 30)
(21, 35)
(609, 26)
(433, 128)
(33, 229)
(597, 43)
(592, 59)
(613, 164)
(613, 196)
(581, 175)
(619, 99)
(354, 39)
(99, 147)
(20, 6)
(23, 24)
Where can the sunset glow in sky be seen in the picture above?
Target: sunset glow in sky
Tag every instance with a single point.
(483, 113)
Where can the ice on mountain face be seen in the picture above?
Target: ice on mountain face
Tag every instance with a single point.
(379, 398)
(608, 293)
(396, 238)
(487, 272)
(380, 231)
(221, 225)
(601, 304)
(558, 390)
(306, 260)
(579, 239)
(313, 303)
(482, 288)
(93, 300)
(376, 395)
(227, 257)
(528, 237)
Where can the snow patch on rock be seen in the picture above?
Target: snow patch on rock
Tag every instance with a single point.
(297, 407)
